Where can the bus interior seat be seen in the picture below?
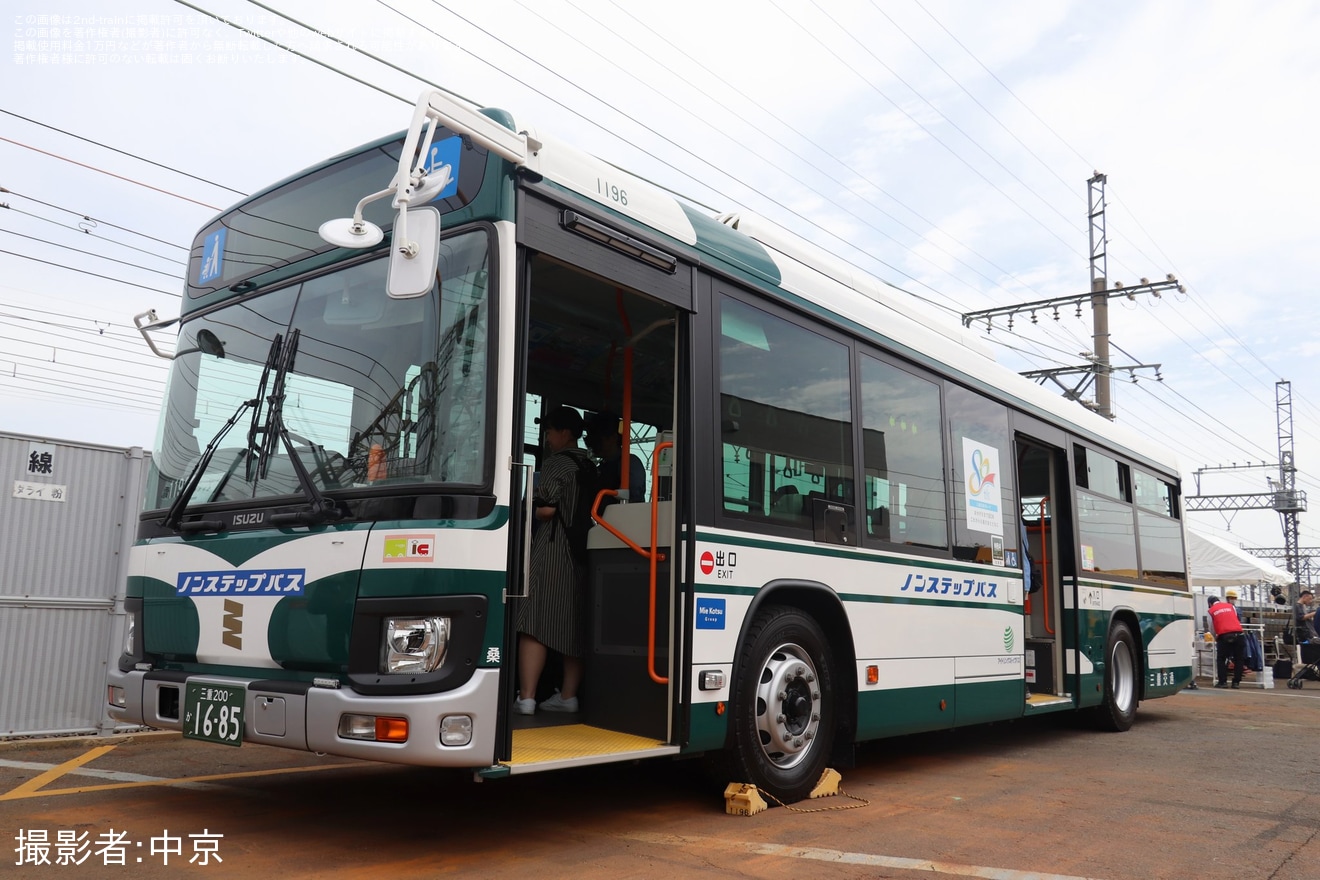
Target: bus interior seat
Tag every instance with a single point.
(787, 503)
(877, 523)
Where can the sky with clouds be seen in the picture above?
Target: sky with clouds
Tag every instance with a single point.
(942, 145)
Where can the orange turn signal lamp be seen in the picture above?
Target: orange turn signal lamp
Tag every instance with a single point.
(373, 728)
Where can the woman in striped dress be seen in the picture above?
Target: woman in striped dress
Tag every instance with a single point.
(550, 618)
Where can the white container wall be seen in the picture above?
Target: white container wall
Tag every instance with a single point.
(68, 514)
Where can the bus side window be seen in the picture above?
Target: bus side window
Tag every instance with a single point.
(903, 456)
(785, 417)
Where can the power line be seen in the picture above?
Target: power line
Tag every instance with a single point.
(292, 51)
(935, 137)
(1068, 186)
(92, 343)
(121, 152)
(173, 275)
(1204, 307)
(86, 231)
(844, 186)
(850, 34)
(93, 274)
(88, 217)
(96, 325)
(108, 173)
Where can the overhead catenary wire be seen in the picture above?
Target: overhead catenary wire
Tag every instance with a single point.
(174, 294)
(844, 185)
(97, 220)
(1008, 90)
(107, 173)
(88, 232)
(90, 254)
(121, 152)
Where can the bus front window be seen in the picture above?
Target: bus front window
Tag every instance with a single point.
(379, 391)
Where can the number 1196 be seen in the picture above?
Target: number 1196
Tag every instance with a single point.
(612, 191)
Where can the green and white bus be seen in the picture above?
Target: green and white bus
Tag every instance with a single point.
(336, 532)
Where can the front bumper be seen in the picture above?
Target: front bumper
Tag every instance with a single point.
(296, 715)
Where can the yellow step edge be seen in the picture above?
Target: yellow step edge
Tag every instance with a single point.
(540, 745)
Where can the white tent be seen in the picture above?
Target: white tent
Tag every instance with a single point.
(1215, 562)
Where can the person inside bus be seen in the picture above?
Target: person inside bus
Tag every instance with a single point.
(550, 618)
(605, 440)
(1230, 640)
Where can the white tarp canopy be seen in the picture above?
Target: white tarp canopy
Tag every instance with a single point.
(1215, 562)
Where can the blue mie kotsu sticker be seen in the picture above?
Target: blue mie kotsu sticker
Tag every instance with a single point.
(250, 582)
(710, 613)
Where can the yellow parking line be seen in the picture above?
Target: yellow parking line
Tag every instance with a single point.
(36, 782)
(30, 788)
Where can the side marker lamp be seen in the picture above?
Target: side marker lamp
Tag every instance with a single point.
(456, 730)
(711, 680)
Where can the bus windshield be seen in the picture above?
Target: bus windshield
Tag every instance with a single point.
(378, 391)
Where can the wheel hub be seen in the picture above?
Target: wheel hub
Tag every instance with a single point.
(1121, 673)
(788, 705)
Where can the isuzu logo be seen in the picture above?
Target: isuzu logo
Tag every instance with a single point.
(248, 519)
(233, 625)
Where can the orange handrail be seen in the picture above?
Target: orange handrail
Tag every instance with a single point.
(654, 556)
(599, 518)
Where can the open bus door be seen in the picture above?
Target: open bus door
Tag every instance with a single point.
(1045, 516)
(601, 332)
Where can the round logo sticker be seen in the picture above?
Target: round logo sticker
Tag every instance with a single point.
(707, 562)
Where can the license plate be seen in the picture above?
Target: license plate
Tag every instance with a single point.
(214, 712)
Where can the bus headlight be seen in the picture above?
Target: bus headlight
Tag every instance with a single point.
(414, 644)
(130, 631)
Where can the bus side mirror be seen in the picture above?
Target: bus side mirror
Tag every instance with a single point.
(414, 253)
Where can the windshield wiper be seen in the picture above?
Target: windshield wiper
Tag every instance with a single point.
(175, 513)
(272, 360)
(246, 456)
(321, 507)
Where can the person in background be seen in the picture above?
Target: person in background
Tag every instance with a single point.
(603, 439)
(1304, 618)
(1231, 598)
(1230, 640)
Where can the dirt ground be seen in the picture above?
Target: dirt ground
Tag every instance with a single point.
(1208, 784)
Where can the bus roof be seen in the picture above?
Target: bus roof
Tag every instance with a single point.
(820, 282)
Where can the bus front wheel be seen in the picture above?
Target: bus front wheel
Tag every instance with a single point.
(783, 705)
(1119, 708)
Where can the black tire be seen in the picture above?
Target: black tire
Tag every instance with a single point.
(1122, 684)
(782, 705)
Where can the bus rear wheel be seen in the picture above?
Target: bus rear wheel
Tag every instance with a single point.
(1119, 708)
(783, 705)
